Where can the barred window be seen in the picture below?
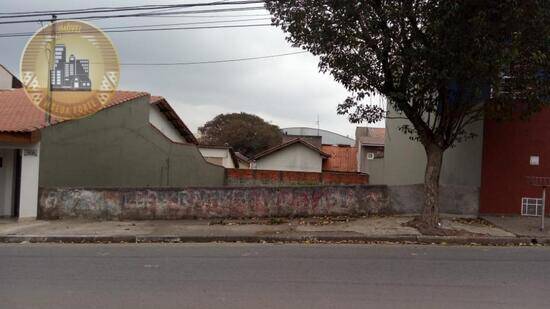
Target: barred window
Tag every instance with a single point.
(531, 206)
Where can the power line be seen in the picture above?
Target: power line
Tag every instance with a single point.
(124, 8)
(27, 34)
(186, 23)
(211, 16)
(106, 29)
(210, 61)
(146, 14)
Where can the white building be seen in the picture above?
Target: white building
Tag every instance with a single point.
(142, 142)
(8, 80)
(220, 155)
(327, 137)
(295, 155)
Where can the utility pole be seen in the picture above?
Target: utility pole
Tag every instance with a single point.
(318, 124)
(51, 63)
(543, 208)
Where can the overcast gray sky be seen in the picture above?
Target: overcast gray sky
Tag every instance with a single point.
(287, 91)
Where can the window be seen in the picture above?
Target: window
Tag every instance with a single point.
(531, 206)
(370, 156)
(534, 160)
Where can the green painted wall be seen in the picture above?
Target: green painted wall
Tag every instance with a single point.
(117, 147)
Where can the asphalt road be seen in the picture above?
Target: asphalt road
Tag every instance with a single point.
(272, 276)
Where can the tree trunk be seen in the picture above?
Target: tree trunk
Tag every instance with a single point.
(430, 213)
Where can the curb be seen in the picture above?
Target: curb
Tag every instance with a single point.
(404, 239)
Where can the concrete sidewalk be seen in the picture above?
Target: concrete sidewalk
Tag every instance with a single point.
(521, 225)
(368, 229)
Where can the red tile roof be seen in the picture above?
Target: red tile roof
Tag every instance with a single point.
(18, 114)
(289, 143)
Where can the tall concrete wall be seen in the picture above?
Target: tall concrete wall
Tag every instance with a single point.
(146, 204)
(453, 199)
(404, 164)
(405, 160)
(296, 157)
(376, 171)
(118, 147)
(243, 202)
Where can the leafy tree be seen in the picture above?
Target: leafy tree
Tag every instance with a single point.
(246, 133)
(441, 64)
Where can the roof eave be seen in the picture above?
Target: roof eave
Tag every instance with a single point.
(178, 123)
(24, 138)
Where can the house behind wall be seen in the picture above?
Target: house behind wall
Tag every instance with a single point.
(370, 148)
(119, 147)
(295, 155)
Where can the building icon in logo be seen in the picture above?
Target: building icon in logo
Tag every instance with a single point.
(70, 69)
(69, 75)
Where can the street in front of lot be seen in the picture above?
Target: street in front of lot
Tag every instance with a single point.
(218, 275)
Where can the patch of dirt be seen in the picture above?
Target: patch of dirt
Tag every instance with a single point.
(424, 229)
(324, 220)
(474, 221)
(267, 221)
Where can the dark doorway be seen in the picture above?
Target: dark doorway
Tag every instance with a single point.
(17, 183)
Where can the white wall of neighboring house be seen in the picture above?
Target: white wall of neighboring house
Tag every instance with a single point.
(296, 157)
(28, 195)
(6, 79)
(219, 156)
(157, 119)
(7, 176)
(243, 164)
(28, 200)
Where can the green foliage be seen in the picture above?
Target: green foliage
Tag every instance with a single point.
(439, 63)
(246, 133)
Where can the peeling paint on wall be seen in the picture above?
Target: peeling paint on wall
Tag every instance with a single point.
(206, 203)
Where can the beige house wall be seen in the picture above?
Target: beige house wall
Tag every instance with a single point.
(296, 157)
(404, 160)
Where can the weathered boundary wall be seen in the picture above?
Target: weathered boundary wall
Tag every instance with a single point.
(251, 177)
(454, 199)
(184, 203)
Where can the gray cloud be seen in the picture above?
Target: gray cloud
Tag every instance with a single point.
(287, 91)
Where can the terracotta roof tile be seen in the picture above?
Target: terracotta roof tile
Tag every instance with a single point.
(18, 114)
